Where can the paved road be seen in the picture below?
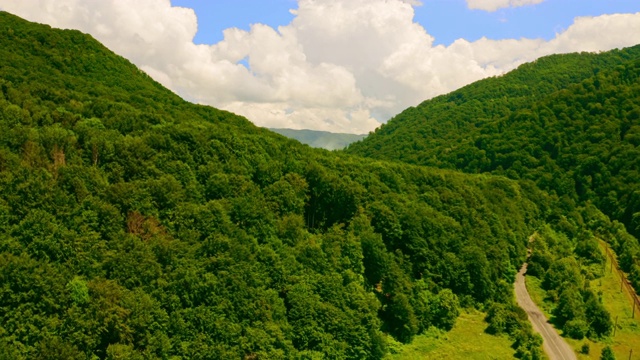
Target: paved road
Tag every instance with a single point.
(554, 345)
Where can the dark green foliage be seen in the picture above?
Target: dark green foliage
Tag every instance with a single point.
(576, 328)
(600, 319)
(400, 318)
(570, 307)
(567, 123)
(136, 225)
(607, 353)
(528, 345)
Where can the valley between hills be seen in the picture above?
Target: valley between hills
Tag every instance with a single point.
(137, 225)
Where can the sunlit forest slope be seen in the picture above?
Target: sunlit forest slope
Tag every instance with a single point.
(569, 123)
(136, 225)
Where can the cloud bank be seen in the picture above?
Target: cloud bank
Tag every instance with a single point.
(336, 67)
(493, 5)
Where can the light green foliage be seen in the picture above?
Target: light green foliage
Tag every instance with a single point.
(467, 340)
(444, 309)
(577, 310)
(78, 291)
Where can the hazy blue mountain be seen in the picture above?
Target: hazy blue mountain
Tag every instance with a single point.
(321, 139)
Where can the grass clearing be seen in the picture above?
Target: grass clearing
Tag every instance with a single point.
(467, 340)
(617, 302)
(538, 295)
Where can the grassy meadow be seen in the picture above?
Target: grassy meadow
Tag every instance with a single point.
(467, 340)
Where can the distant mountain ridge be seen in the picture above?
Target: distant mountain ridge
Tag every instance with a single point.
(320, 139)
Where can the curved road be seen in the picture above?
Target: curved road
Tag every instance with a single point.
(555, 346)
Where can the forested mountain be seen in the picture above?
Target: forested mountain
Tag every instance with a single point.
(569, 123)
(433, 132)
(136, 225)
(320, 139)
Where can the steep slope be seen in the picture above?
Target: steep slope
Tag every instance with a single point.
(579, 142)
(136, 225)
(430, 133)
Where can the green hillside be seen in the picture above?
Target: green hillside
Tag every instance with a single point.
(573, 128)
(320, 139)
(136, 225)
(433, 132)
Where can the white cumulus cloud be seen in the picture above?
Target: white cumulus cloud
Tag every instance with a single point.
(340, 65)
(493, 5)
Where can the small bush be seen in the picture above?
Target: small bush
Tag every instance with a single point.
(584, 349)
(607, 354)
(576, 329)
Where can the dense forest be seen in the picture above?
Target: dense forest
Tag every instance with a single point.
(571, 125)
(439, 132)
(134, 225)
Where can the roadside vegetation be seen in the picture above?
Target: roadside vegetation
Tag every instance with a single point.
(603, 280)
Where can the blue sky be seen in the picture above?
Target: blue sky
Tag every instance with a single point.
(335, 65)
(218, 15)
(445, 20)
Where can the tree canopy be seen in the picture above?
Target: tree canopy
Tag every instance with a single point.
(568, 123)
